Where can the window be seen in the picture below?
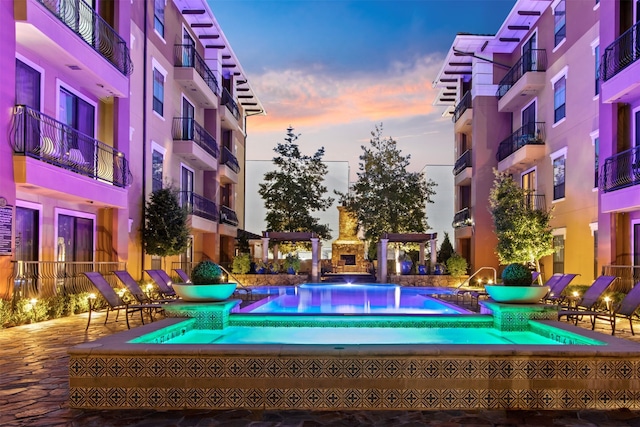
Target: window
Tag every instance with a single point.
(559, 99)
(597, 71)
(158, 16)
(560, 22)
(157, 163)
(158, 92)
(27, 234)
(636, 243)
(558, 177)
(75, 238)
(595, 254)
(27, 86)
(558, 254)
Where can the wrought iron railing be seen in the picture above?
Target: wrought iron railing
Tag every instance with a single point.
(186, 56)
(463, 162)
(533, 60)
(228, 159)
(231, 104)
(535, 202)
(37, 279)
(187, 129)
(462, 106)
(624, 51)
(628, 276)
(462, 218)
(228, 216)
(41, 137)
(529, 134)
(198, 205)
(621, 170)
(86, 23)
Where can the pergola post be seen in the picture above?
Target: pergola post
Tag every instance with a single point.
(315, 256)
(434, 253)
(421, 256)
(382, 260)
(265, 250)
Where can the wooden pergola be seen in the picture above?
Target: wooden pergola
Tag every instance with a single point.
(420, 238)
(293, 236)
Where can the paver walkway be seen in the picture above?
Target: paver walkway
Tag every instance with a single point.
(34, 392)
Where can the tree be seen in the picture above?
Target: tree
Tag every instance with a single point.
(446, 249)
(386, 197)
(295, 189)
(522, 228)
(166, 232)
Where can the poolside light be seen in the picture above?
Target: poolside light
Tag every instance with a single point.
(29, 306)
(92, 296)
(607, 301)
(149, 287)
(489, 282)
(576, 294)
(121, 292)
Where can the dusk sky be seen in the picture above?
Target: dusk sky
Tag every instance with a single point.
(333, 69)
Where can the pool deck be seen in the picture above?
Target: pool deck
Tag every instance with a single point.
(34, 391)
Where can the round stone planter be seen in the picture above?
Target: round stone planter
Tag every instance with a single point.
(204, 293)
(516, 294)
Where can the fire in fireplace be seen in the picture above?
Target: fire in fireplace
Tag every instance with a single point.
(348, 259)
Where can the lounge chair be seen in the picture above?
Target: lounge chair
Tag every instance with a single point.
(589, 300)
(136, 290)
(163, 281)
(114, 302)
(182, 275)
(557, 287)
(624, 309)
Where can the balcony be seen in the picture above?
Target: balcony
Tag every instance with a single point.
(195, 76)
(228, 216)
(620, 67)
(462, 114)
(203, 212)
(229, 167)
(524, 80)
(51, 157)
(462, 170)
(230, 116)
(619, 178)
(193, 143)
(535, 202)
(462, 224)
(78, 38)
(522, 148)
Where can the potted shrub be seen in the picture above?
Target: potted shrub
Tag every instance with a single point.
(516, 286)
(457, 265)
(405, 263)
(206, 284)
(292, 264)
(241, 264)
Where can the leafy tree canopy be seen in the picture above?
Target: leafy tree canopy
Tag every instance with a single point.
(386, 198)
(295, 190)
(522, 227)
(166, 232)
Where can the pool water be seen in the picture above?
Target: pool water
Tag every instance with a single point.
(311, 298)
(360, 336)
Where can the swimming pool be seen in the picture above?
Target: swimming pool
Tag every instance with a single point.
(314, 298)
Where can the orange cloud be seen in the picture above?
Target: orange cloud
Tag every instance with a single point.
(315, 98)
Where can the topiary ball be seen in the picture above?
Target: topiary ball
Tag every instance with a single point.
(206, 273)
(516, 274)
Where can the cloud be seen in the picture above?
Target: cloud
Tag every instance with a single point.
(315, 97)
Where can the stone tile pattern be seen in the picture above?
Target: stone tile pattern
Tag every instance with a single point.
(335, 383)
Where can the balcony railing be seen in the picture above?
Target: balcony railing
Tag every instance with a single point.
(86, 23)
(187, 129)
(228, 216)
(41, 137)
(37, 279)
(462, 163)
(621, 170)
(228, 159)
(535, 202)
(624, 51)
(231, 104)
(534, 60)
(462, 106)
(198, 205)
(628, 276)
(462, 218)
(186, 56)
(529, 134)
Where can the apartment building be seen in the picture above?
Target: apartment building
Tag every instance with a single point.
(103, 102)
(525, 101)
(618, 137)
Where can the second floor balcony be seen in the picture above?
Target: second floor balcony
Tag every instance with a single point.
(193, 143)
(462, 218)
(229, 167)
(462, 170)
(228, 216)
(619, 67)
(51, 156)
(230, 103)
(534, 201)
(619, 180)
(200, 208)
(193, 73)
(524, 80)
(523, 147)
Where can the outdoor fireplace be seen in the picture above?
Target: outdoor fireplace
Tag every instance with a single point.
(348, 250)
(348, 259)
